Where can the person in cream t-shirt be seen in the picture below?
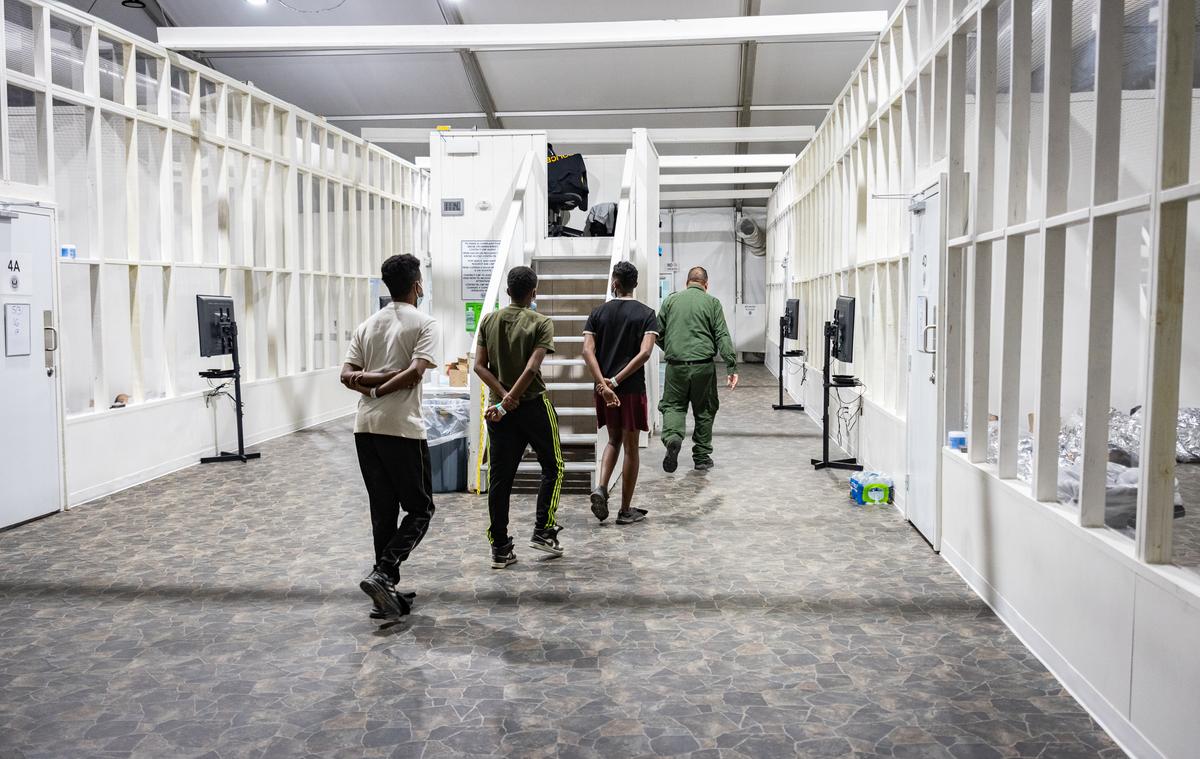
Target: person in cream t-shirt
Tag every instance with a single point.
(386, 361)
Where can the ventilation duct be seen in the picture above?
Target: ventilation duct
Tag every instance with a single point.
(751, 235)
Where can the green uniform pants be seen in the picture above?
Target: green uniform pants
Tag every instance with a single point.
(695, 384)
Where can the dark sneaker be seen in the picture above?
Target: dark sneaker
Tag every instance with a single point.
(503, 556)
(379, 587)
(405, 600)
(705, 464)
(671, 460)
(600, 502)
(546, 540)
(631, 516)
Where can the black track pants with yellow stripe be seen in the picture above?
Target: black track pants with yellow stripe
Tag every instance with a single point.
(535, 424)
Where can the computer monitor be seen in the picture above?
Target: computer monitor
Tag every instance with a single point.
(214, 316)
(791, 313)
(843, 319)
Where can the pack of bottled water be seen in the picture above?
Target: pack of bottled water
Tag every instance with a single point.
(871, 487)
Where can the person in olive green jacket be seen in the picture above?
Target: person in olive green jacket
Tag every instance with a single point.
(692, 332)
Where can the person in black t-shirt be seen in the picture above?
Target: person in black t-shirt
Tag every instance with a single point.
(617, 341)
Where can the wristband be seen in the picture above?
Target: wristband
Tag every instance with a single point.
(500, 407)
(613, 380)
(373, 393)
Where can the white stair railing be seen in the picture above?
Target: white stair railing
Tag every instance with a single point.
(518, 226)
(623, 248)
(623, 237)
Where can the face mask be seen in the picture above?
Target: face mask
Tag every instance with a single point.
(420, 300)
(533, 305)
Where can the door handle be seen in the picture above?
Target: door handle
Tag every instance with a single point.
(925, 339)
(49, 340)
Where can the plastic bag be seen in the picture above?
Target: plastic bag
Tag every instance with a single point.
(446, 419)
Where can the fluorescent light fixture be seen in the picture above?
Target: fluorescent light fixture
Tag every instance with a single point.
(800, 27)
(256, 2)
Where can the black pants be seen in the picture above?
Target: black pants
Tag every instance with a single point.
(533, 423)
(397, 474)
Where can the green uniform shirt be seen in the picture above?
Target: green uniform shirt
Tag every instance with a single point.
(692, 328)
(510, 336)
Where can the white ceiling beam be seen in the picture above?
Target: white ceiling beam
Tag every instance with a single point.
(753, 177)
(556, 114)
(388, 135)
(686, 195)
(798, 27)
(751, 161)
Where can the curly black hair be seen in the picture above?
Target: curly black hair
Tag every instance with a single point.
(399, 274)
(521, 281)
(626, 275)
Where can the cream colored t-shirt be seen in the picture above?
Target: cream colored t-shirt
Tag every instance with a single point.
(388, 342)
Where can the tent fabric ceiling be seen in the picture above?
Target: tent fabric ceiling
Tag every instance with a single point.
(390, 83)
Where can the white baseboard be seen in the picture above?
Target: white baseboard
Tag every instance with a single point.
(124, 482)
(1128, 737)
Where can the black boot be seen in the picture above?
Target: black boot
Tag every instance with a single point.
(382, 591)
(671, 460)
(546, 539)
(405, 600)
(503, 556)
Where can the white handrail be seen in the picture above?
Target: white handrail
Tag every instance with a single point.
(511, 215)
(513, 226)
(623, 242)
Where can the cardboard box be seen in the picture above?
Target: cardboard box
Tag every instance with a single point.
(458, 372)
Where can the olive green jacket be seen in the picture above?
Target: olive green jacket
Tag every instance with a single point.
(692, 327)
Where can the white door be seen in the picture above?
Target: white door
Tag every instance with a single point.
(922, 497)
(30, 461)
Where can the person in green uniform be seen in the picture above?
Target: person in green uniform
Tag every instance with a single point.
(692, 332)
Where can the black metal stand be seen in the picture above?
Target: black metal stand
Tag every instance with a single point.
(230, 328)
(781, 406)
(824, 462)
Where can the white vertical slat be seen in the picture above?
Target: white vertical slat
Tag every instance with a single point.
(952, 318)
(1167, 272)
(196, 177)
(170, 335)
(1014, 252)
(1101, 265)
(1056, 156)
(984, 188)
(91, 61)
(138, 390)
(4, 158)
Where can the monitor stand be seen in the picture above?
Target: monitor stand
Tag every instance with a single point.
(825, 462)
(230, 330)
(781, 406)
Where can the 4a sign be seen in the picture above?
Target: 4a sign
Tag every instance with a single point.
(18, 279)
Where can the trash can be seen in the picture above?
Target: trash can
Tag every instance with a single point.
(446, 423)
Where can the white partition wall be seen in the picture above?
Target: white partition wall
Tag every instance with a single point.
(1065, 134)
(170, 180)
(479, 169)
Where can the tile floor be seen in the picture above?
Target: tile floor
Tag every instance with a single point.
(756, 613)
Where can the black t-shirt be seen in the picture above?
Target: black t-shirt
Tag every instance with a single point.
(618, 327)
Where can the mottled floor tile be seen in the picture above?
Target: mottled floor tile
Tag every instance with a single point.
(755, 613)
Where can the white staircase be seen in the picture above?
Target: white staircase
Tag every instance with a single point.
(573, 276)
(572, 281)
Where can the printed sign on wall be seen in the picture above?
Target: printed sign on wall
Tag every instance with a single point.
(478, 258)
(17, 329)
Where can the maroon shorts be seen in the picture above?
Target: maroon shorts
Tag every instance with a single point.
(630, 415)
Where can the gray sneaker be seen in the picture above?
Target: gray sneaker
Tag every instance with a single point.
(631, 516)
(600, 502)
